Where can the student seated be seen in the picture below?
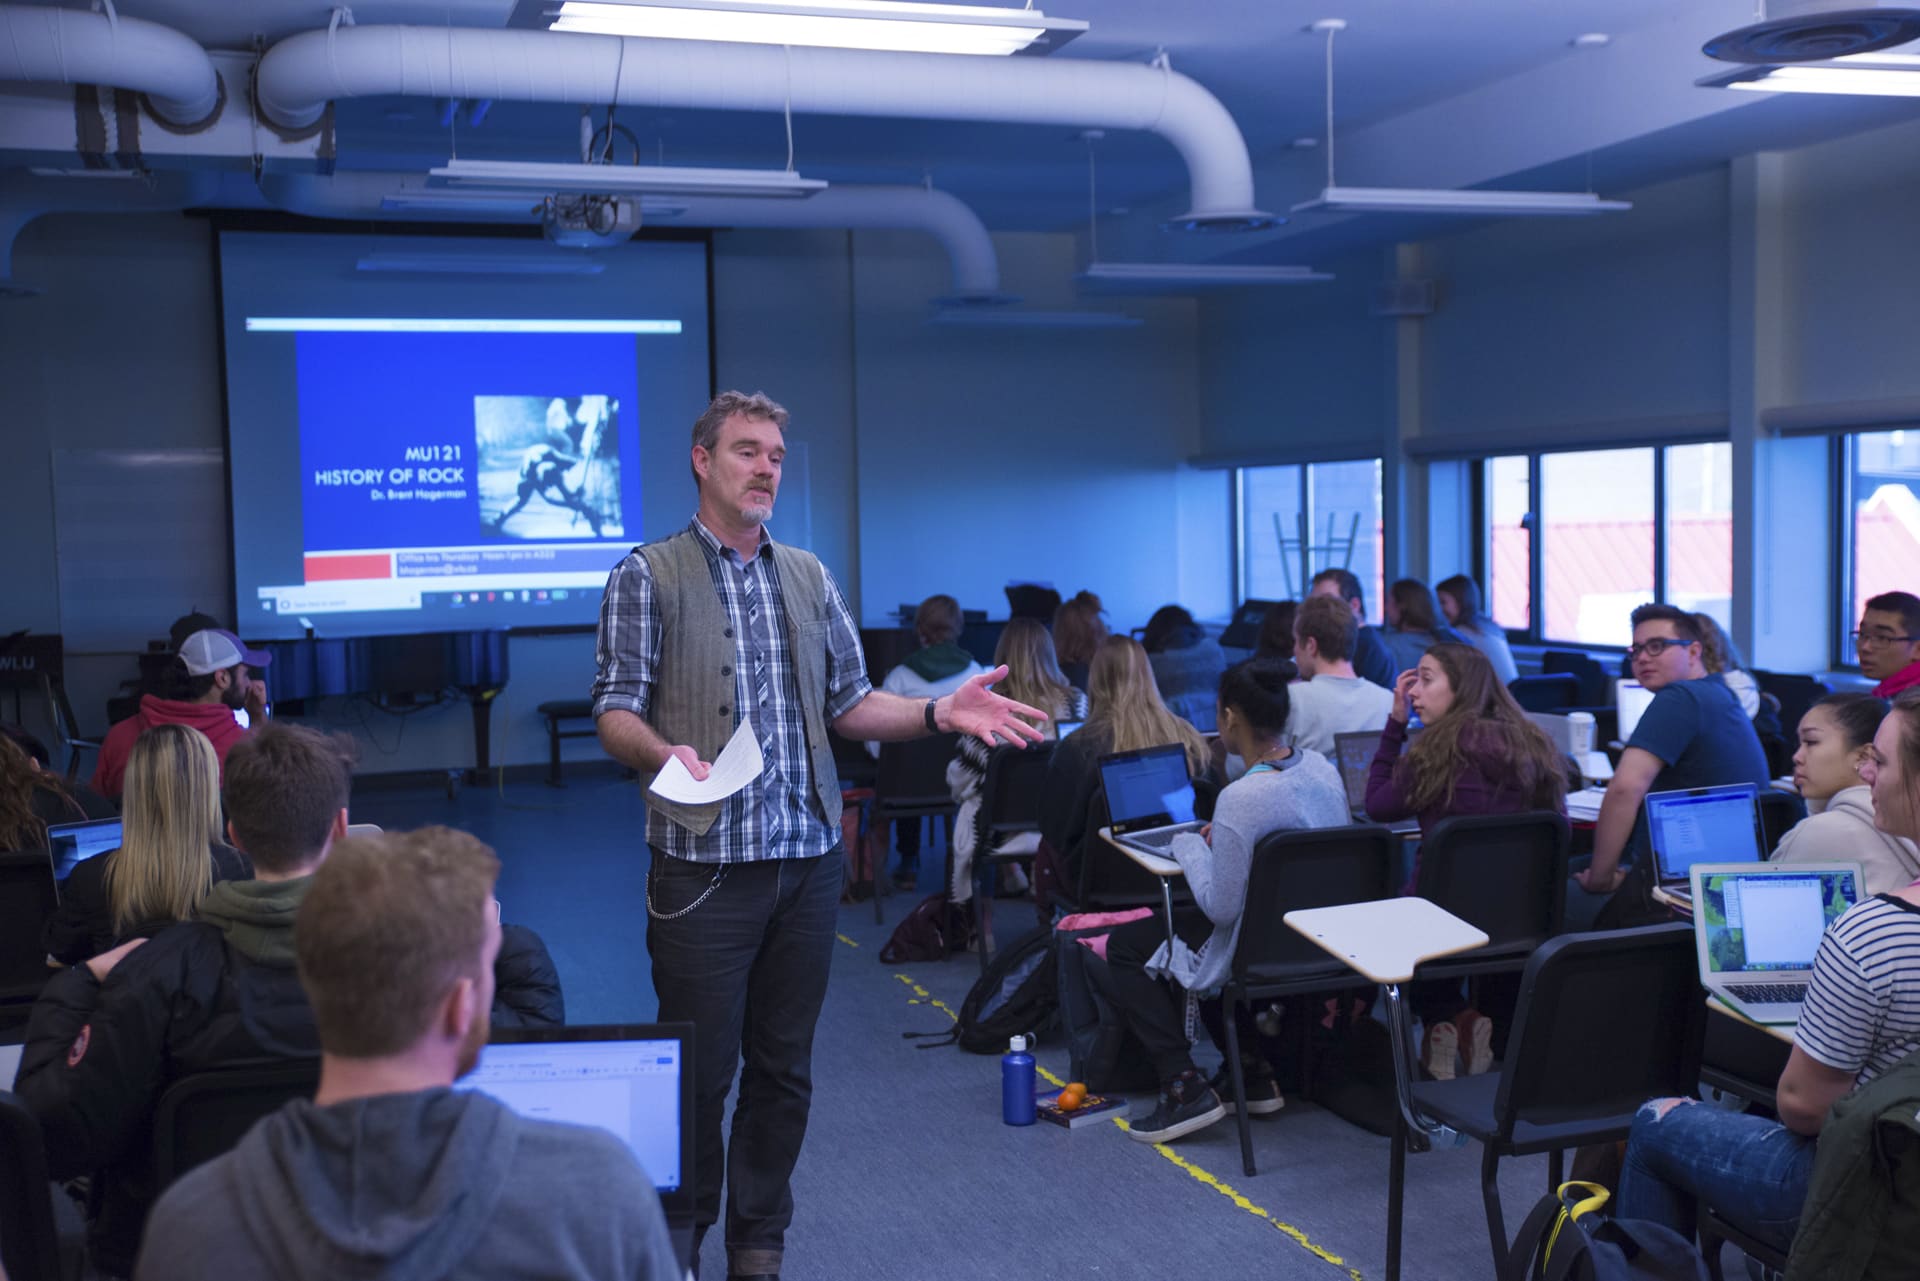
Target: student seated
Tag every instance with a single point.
(1276, 631)
(1479, 754)
(1460, 602)
(1079, 625)
(938, 667)
(1033, 677)
(389, 1171)
(1330, 698)
(1186, 664)
(1284, 789)
(211, 683)
(1888, 642)
(1413, 623)
(1721, 657)
(1693, 734)
(1372, 660)
(1861, 1016)
(170, 853)
(1836, 740)
(32, 797)
(1124, 714)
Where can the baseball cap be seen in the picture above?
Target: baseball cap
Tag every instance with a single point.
(214, 650)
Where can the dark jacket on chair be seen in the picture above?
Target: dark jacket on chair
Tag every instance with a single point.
(526, 986)
(1862, 1217)
(82, 926)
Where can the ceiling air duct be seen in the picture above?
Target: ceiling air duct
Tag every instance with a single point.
(1815, 31)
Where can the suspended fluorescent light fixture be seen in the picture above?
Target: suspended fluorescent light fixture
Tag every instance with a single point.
(1874, 75)
(1437, 200)
(480, 264)
(479, 202)
(890, 25)
(1014, 318)
(607, 180)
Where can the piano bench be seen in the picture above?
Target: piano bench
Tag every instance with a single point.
(564, 709)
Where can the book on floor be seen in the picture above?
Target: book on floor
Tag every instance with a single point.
(1096, 1107)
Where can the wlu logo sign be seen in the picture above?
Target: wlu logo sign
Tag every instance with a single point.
(18, 662)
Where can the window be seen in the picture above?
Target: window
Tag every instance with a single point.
(1882, 535)
(1299, 519)
(1573, 541)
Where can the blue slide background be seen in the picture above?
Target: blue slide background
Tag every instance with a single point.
(366, 397)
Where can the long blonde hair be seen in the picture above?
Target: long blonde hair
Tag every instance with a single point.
(1125, 706)
(1033, 671)
(171, 813)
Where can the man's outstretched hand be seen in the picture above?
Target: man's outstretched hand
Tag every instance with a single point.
(974, 709)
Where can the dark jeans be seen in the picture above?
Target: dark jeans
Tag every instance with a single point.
(1752, 1170)
(1155, 1009)
(748, 968)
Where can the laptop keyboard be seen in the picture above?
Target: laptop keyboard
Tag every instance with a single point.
(1769, 993)
(1161, 839)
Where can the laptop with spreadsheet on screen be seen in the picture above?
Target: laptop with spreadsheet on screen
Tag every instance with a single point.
(632, 1080)
(1703, 825)
(1149, 796)
(1758, 929)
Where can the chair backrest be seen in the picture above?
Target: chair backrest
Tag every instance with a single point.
(1106, 875)
(914, 773)
(29, 1246)
(1504, 873)
(1016, 781)
(1605, 1022)
(203, 1115)
(1545, 693)
(1796, 694)
(1779, 811)
(1595, 685)
(26, 901)
(1319, 867)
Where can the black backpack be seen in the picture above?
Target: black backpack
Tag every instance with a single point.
(1567, 1238)
(1017, 996)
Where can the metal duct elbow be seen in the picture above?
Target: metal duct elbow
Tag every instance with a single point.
(301, 74)
(61, 46)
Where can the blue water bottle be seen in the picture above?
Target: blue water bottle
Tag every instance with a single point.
(1016, 1083)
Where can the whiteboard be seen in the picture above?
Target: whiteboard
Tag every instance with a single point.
(140, 537)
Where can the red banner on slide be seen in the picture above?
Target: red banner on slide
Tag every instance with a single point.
(333, 569)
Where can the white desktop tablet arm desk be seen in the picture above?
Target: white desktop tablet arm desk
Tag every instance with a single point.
(1386, 940)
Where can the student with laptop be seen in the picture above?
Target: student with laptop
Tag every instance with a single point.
(1124, 714)
(1330, 699)
(170, 853)
(1479, 754)
(1836, 738)
(32, 797)
(1284, 789)
(388, 1170)
(1693, 734)
(1860, 1017)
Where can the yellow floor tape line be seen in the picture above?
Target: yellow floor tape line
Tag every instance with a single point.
(844, 939)
(923, 997)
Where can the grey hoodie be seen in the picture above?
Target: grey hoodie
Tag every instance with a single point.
(1844, 831)
(436, 1184)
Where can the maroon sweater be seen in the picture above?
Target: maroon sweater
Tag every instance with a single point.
(1481, 789)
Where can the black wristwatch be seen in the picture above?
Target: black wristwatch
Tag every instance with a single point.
(933, 726)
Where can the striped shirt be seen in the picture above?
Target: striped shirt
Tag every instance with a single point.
(777, 815)
(1862, 1012)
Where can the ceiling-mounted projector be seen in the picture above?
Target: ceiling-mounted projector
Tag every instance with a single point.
(589, 222)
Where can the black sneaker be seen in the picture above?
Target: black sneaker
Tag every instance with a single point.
(1187, 1104)
(1263, 1092)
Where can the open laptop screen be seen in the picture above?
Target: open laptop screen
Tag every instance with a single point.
(74, 843)
(1148, 788)
(631, 1081)
(1770, 918)
(1703, 825)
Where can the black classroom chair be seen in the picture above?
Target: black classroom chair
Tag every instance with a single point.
(203, 1115)
(1009, 806)
(29, 1242)
(910, 783)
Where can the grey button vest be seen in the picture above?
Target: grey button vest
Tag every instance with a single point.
(692, 701)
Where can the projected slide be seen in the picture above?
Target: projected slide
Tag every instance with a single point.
(396, 473)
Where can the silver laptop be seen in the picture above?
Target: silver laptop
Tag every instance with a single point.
(1353, 755)
(1149, 796)
(1758, 928)
(1703, 825)
(633, 1080)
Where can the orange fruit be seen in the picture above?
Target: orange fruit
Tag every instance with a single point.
(1077, 1089)
(1069, 1101)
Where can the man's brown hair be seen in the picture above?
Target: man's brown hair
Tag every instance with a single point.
(390, 924)
(938, 620)
(284, 784)
(1329, 622)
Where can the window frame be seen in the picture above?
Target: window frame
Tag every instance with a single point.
(1305, 466)
(1535, 632)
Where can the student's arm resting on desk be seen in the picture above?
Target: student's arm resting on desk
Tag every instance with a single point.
(1215, 866)
(1619, 810)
